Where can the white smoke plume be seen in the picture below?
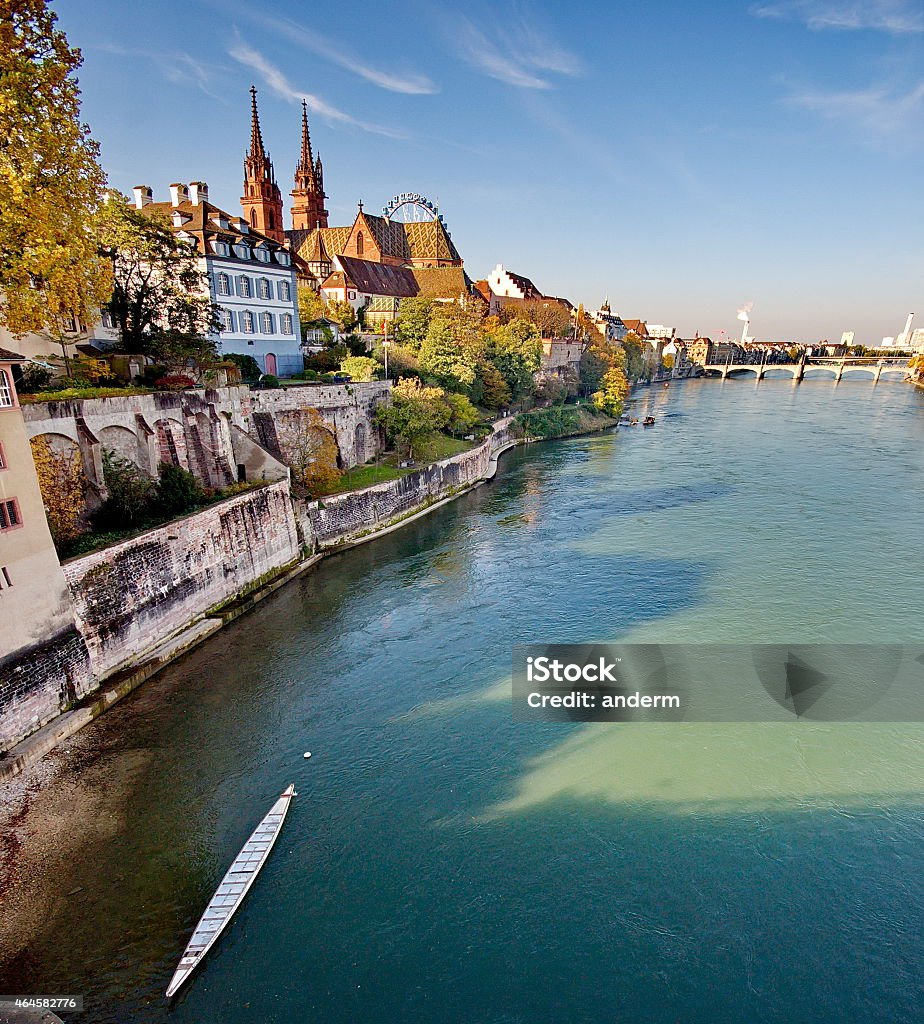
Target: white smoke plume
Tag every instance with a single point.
(745, 312)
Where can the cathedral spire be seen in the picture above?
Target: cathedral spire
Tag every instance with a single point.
(306, 160)
(308, 209)
(256, 136)
(262, 200)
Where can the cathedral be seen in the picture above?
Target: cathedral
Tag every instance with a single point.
(331, 259)
(315, 244)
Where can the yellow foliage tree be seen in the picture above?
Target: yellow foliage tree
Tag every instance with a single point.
(50, 180)
(61, 480)
(312, 455)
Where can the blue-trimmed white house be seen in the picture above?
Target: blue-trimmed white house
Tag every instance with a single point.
(251, 277)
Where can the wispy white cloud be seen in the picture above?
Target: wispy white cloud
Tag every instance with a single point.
(176, 66)
(896, 16)
(511, 49)
(394, 81)
(276, 80)
(879, 112)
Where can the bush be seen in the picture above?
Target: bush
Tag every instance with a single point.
(249, 367)
(270, 381)
(131, 494)
(34, 377)
(178, 491)
(174, 382)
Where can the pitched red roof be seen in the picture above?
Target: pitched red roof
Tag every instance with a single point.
(379, 278)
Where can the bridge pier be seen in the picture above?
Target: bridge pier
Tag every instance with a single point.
(839, 374)
(878, 373)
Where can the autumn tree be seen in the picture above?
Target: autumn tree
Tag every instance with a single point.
(311, 307)
(495, 392)
(63, 486)
(342, 314)
(550, 316)
(160, 298)
(311, 453)
(51, 275)
(614, 388)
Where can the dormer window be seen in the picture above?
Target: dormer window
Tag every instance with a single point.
(179, 218)
(221, 248)
(262, 255)
(283, 258)
(242, 251)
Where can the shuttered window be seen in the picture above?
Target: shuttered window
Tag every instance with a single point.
(9, 514)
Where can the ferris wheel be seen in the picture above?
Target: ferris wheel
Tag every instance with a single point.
(412, 208)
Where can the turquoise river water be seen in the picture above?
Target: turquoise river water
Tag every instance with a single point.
(443, 863)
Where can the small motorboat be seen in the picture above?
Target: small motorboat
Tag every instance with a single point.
(648, 421)
(633, 423)
(234, 886)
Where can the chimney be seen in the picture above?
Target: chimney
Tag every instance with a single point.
(198, 192)
(143, 196)
(178, 194)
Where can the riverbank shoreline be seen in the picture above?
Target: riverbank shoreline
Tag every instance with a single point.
(65, 725)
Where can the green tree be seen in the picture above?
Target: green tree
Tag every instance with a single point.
(413, 322)
(495, 392)
(613, 391)
(50, 180)
(442, 355)
(158, 291)
(516, 350)
(416, 411)
(636, 364)
(462, 414)
(178, 491)
(131, 493)
(360, 368)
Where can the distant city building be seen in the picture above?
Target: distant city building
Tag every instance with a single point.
(608, 322)
(916, 341)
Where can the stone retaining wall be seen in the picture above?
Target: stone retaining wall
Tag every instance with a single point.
(131, 596)
(341, 518)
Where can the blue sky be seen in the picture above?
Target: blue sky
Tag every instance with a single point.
(684, 159)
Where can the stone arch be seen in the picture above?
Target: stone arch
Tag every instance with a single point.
(123, 442)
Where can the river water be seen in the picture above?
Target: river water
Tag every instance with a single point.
(443, 863)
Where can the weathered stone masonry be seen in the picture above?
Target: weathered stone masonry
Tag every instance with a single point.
(131, 596)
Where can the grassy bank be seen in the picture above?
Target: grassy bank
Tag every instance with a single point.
(561, 421)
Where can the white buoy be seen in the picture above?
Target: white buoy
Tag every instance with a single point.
(307, 754)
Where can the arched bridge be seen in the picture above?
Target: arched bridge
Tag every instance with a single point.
(822, 368)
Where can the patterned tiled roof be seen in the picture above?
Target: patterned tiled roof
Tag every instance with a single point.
(442, 282)
(426, 240)
(305, 241)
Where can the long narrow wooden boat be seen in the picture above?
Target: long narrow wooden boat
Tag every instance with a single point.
(234, 886)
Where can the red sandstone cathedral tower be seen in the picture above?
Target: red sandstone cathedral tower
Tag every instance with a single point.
(262, 200)
(308, 209)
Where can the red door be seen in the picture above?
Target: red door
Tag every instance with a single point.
(271, 363)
